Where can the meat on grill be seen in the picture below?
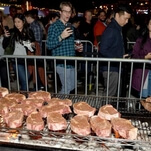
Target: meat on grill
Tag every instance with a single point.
(146, 105)
(3, 109)
(16, 96)
(108, 112)
(17, 107)
(36, 103)
(35, 122)
(40, 95)
(148, 99)
(79, 124)
(3, 91)
(28, 109)
(60, 101)
(6, 105)
(56, 122)
(83, 108)
(101, 127)
(7, 102)
(55, 108)
(14, 119)
(124, 128)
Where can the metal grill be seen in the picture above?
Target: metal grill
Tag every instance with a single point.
(129, 108)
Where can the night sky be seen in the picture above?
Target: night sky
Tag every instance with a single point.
(80, 5)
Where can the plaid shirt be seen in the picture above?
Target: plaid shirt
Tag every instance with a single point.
(60, 48)
(37, 30)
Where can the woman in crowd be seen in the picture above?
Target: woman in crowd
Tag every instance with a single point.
(142, 50)
(22, 40)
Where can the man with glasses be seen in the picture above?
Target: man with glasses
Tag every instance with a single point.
(60, 41)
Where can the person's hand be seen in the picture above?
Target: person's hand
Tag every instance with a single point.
(6, 33)
(78, 46)
(66, 33)
(148, 56)
(126, 56)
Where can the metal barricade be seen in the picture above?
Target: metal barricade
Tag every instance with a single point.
(88, 51)
(130, 44)
(83, 88)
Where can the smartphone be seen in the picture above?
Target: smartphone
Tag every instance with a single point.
(6, 28)
(68, 25)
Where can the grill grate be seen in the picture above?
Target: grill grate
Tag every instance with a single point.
(129, 108)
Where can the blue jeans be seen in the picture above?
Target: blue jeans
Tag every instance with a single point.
(22, 76)
(70, 79)
(147, 92)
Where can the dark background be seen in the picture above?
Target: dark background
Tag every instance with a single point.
(80, 5)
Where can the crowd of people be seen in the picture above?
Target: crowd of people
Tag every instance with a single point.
(108, 31)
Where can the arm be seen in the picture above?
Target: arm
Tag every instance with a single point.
(5, 42)
(6, 39)
(53, 40)
(56, 37)
(138, 52)
(107, 41)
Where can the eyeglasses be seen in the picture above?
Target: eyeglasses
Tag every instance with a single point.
(68, 12)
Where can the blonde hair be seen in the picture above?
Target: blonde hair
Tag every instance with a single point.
(65, 4)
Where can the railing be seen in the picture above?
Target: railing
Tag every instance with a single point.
(97, 86)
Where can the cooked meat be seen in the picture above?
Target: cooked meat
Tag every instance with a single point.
(8, 102)
(83, 108)
(28, 109)
(3, 91)
(40, 95)
(3, 109)
(37, 103)
(79, 124)
(124, 128)
(148, 99)
(35, 122)
(146, 105)
(17, 107)
(56, 122)
(57, 108)
(14, 119)
(108, 112)
(16, 96)
(6, 105)
(60, 101)
(101, 127)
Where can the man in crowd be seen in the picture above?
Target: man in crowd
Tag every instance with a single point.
(60, 41)
(8, 20)
(112, 46)
(99, 26)
(34, 26)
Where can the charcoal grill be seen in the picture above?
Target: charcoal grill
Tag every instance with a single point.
(66, 140)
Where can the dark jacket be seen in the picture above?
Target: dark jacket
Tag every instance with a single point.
(140, 53)
(112, 45)
(12, 38)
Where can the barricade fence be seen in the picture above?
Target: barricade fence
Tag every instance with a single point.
(83, 83)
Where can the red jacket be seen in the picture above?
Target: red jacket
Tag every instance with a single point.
(98, 30)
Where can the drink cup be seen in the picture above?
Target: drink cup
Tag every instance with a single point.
(78, 46)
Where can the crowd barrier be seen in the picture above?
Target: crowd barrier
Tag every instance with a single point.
(126, 67)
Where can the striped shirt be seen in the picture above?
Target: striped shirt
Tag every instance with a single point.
(60, 48)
